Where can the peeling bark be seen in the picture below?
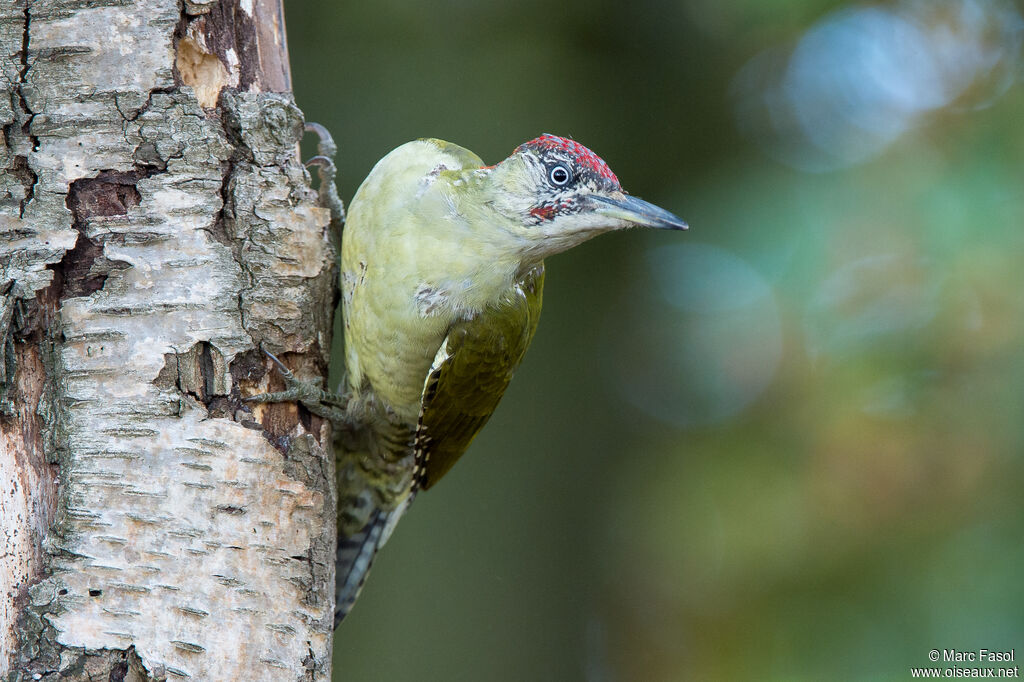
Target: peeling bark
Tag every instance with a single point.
(156, 230)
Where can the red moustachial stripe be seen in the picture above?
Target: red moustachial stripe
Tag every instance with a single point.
(543, 213)
(583, 156)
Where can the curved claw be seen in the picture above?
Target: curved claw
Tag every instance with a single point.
(326, 170)
(309, 393)
(326, 146)
(281, 396)
(321, 161)
(285, 372)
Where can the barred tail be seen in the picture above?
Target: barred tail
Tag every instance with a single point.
(354, 559)
(355, 556)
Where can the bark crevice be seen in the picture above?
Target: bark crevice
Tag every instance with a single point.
(21, 168)
(26, 126)
(28, 178)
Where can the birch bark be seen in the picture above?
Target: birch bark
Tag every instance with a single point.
(156, 230)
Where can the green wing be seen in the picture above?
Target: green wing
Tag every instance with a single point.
(470, 373)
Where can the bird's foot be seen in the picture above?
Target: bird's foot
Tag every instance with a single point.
(312, 396)
(327, 171)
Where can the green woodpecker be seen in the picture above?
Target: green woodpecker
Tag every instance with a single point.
(442, 274)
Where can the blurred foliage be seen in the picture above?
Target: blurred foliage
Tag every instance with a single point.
(787, 445)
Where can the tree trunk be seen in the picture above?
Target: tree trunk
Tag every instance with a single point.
(156, 230)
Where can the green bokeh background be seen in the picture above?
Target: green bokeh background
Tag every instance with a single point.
(787, 445)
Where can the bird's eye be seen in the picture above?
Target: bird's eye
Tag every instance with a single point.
(559, 175)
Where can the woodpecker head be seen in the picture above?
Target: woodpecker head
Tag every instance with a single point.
(557, 194)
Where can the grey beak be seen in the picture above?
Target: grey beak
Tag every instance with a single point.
(637, 211)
